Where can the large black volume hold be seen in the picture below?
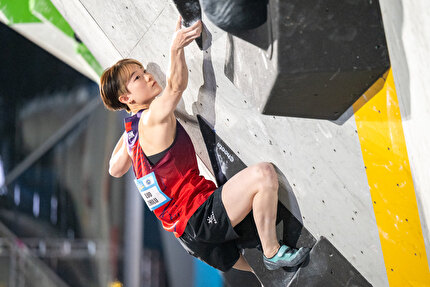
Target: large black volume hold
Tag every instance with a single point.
(320, 56)
(330, 53)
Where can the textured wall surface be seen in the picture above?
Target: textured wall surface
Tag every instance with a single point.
(320, 160)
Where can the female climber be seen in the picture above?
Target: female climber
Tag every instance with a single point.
(200, 215)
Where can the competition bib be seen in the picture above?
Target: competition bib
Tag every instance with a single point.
(150, 191)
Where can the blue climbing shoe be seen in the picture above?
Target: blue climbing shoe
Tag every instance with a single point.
(286, 257)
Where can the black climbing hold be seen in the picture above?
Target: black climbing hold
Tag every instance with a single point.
(315, 72)
(190, 12)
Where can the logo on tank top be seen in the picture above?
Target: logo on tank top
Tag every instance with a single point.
(130, 135)
(128, 126)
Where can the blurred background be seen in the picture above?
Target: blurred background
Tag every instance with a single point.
(61, 214)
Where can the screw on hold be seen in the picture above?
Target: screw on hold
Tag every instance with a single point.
(374, 202)
(406, 220)
(332, 234)
(362, 252)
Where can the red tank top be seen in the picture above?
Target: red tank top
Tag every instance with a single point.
(177, 174)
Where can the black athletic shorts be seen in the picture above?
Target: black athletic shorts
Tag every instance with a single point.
(209, 235)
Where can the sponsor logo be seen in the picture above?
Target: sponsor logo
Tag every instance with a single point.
(225, 151)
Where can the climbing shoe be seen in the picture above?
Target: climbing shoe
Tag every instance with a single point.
(286, 257)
